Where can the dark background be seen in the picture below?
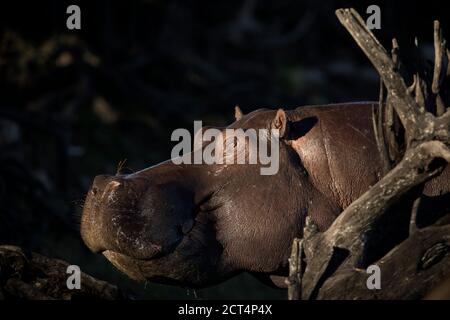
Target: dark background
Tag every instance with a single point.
(74, 104)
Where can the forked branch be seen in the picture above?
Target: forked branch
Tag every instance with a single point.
(340, 252)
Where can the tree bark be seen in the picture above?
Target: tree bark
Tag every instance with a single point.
(36, 277)
(336, 259)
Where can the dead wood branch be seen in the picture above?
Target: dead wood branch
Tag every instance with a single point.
(405, 105)
(36, 277)
(336, 259)
(424, 264)
(440, 67)
(294, 281)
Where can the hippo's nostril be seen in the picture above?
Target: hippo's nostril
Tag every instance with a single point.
(94, 190)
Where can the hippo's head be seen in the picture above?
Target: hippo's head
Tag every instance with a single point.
(198, 224)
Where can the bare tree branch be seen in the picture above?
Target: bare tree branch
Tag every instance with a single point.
(406, 107)
(440, 66)
(294, 281)
(335, 258)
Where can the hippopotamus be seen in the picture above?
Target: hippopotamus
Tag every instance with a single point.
(196, 225)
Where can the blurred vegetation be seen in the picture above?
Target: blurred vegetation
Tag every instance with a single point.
(73, 104)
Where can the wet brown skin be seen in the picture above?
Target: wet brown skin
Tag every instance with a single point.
(197, 225)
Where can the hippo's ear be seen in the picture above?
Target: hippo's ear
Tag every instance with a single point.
(238, 113)
(280, 122)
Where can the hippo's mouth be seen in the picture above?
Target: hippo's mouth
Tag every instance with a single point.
(126, 264)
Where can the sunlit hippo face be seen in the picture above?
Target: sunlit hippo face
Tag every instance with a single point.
(198, 224)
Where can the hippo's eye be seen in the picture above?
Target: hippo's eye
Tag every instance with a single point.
(94, 190)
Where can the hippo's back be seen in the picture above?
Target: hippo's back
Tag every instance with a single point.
(340, 154)
(339, 151)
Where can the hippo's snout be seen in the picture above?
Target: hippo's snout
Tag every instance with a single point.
(112, 218)
(133, 216)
